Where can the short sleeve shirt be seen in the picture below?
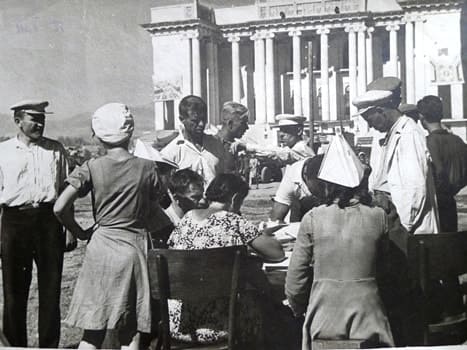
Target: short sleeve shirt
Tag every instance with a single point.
(123, 191)
(292, 187)
(208, 162)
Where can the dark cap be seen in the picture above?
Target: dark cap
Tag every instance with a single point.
(407, 108)
(385, 83)
(31, 107)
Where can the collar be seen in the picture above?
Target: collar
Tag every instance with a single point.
(19, 144)
(181, 140)
(440, 131)
(395, 129)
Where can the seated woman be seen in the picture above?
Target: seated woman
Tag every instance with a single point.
(219, 225)
(332, 270)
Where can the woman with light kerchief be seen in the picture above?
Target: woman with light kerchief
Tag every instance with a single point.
(331, 275)
(112, 291)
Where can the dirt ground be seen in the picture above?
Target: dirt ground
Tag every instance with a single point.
(256, 208)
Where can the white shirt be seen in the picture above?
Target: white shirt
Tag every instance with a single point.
(292, 187)
(286, 155)
(207, 161)
(31, 175)
(405, 173)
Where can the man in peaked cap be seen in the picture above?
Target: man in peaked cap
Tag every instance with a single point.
(404, 174)
(32, 175)
(403, 186)
(291, 133)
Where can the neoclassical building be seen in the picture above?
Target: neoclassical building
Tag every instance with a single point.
(304, 56)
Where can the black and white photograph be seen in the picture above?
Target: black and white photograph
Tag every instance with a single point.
(233, 174)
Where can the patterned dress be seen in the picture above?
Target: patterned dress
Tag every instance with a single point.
(208, 322)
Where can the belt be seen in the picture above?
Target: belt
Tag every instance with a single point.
(32, 206)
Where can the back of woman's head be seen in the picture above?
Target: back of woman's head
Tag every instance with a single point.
(311, 167)
(224, 186)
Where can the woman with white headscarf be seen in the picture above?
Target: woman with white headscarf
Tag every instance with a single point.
(331, 275)
(112, 291)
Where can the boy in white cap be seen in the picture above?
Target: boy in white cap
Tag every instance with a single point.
(33, 169)
(403, 176)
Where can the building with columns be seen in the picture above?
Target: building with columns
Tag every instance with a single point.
(304, 56)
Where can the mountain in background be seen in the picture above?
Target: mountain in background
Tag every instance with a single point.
(78, 55)
(79, 125)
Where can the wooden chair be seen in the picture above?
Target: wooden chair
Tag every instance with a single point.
(194, 276)
(437, 258)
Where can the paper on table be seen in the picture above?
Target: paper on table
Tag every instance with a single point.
(287, 233)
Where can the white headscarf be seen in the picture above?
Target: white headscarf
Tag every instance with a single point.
(113, 123)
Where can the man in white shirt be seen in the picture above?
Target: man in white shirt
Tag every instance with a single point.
(33, 171)
(404, 175)
(193, 148)
(299, 183)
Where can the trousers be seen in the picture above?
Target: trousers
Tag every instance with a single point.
(26, 236)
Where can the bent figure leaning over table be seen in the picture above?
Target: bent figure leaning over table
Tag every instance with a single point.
(340, 240)
(112, 291)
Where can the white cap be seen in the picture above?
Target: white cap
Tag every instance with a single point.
(340, 164)
(146, 151)
(289, 120)
(371, 99)
(113, 123)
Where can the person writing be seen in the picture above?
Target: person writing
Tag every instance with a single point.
(112, 290)
(218, 225)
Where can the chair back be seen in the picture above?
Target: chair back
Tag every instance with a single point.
(434, 259)
(435, 256)
(194, 276)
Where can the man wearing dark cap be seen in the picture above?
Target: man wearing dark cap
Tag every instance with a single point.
(32, 174)
(404, 174)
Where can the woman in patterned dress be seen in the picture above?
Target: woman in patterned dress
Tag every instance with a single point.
(219, 225)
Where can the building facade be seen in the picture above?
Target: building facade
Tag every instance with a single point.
(304, 56)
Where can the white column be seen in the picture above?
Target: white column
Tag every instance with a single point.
(369, 55)
(270, 83)
(420, 77)
(196, 63)
(393, 56)
(457, 106)
(409, 61)
(213, 85)
(323, 32)
(236, 90)
(352, 67)
(297, 74)
(260, 83)
(361, 59)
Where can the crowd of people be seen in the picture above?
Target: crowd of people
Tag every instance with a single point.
(189, 196)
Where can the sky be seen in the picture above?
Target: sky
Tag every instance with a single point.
(78, 55)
